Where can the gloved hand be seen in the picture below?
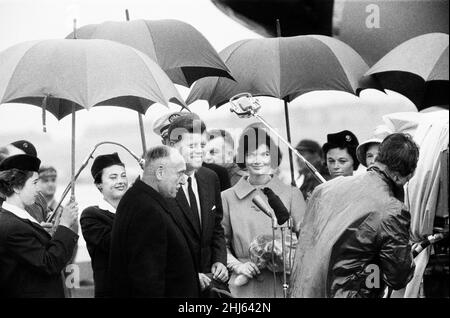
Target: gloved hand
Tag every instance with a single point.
(277, 205)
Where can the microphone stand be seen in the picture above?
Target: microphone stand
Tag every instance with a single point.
(283, 249)
(245, 106)
(141, 162)
(282, 228)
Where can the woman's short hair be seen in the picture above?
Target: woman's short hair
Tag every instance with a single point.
(250, 140)
(399, 153)
(13, 179)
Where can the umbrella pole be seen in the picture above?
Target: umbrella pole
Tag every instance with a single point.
(72, 194)
(141, 121)
(286, 116)
(72, 160)
(141, 128)
(288, 134)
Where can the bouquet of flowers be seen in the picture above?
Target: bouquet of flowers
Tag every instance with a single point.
(265, 254)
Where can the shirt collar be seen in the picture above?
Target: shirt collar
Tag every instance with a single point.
(20, 213)
(194, 182)
(105, 205)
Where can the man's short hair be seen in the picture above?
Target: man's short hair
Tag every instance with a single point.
(47, 172)
(217, 133)
(310, 146)
(156, 153)
(399, 153)
(189, 123)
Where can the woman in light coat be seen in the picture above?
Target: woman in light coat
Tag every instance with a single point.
(243, 221)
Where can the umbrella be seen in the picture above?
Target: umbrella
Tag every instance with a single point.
(284, 68)
(417, 69)
(63, 76)
(181, 51)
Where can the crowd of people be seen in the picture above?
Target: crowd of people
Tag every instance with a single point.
(201, 219)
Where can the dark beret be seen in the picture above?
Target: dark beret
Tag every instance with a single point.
(342, 139)
(21, 162)
(104, 161)
(26, 147)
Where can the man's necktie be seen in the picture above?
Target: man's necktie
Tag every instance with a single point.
(193, 202)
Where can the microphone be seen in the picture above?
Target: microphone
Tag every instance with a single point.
(259, 202)
(281, 213)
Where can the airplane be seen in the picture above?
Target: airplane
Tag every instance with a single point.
(371, 27)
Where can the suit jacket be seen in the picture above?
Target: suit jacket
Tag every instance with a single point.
(222, 173)
(149, 254)
(31, 260)
(208, 243)
(96, 226)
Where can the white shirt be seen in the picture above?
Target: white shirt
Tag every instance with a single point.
(105, 205)
(195, 190)
(21, 213)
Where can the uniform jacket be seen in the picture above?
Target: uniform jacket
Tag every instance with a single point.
(354, 228)
(96, 226)
(149, 255)
(208, 243)
(31, 260)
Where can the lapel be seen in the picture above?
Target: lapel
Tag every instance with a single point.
(107, 216)
(155, 195)
(186, 209)
(204, 194)
(34, 225)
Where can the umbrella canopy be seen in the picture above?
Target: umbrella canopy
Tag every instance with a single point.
(417, 69)
(181, 51)
(284, 68)
(63, 76)
(86, 73)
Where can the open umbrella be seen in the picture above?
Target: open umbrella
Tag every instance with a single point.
(284, 68)
(417, 69)
(63, 76)
(181, 51)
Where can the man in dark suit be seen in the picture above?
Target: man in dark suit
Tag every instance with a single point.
(161, 128)
(149, 254)
(198, 204)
